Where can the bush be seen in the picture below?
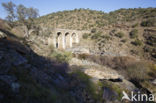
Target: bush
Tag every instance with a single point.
(135, 25)
(148, 23)
(124, 40)
(113, 31)
(93, 30)
(137, 42)
(85, 35)
(96, 35)
(129, 67)
(62, 56)
(119, 34)
(134, 33)
(138, 71)
(83, 56)
(107, 37)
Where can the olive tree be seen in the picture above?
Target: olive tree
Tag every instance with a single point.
(24, 16)
(11, 11)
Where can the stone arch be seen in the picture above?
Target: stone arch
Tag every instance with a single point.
(60, 41)
(68, 40)
(75, 39)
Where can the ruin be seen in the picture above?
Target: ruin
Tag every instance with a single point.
(65, 38)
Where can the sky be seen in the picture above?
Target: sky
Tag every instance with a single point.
(49, 6)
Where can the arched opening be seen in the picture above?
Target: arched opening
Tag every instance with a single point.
(74, 38)
(58, 39)
(68, 40)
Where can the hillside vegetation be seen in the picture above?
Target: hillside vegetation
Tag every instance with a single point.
(121, 57)
(120, 32)
(83, 19)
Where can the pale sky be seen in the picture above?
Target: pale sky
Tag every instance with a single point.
(49, 6)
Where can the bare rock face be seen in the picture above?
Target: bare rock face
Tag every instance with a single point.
(95, 70)
(2, 35)
(154, 82)
(79, 50)
(99, 72)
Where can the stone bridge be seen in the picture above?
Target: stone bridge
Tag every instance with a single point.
(65, 38)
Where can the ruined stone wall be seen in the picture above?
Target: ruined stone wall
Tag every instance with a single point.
(64, 38)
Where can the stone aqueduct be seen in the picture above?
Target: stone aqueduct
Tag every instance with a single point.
(65, 38)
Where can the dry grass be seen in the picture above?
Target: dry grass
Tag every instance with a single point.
(129, 67)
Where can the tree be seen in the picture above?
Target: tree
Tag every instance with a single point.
(10, 8)
(21, 13)
(26, 17)
(32, 13)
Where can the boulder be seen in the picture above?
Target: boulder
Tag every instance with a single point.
(2, 35)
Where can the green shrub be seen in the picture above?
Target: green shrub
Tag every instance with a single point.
(119, 34)
(93, 30)
(124, 40)
(83, 56)
(149, 23)
(86, 35)
(134, 33)
(107, 37)
(113, 31)
(135, 25)
(96, 35)
(62, 56)
(137, 42)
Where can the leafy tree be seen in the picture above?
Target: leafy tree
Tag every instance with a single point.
(21, 13)
(26, 17)
(32, 12)
(10, 8)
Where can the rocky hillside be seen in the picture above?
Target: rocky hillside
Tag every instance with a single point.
(84, 19)
(26, 76)
(29, 78)
(121, 58)
(121, 32)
